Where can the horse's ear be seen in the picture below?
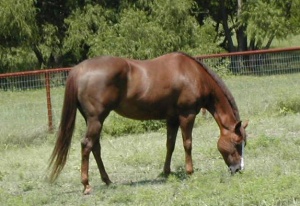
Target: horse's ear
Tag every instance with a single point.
(245, 124)
(237, 126)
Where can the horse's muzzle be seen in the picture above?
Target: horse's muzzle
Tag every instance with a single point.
(234, 169)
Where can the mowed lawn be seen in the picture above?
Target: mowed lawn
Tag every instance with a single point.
(135, 161)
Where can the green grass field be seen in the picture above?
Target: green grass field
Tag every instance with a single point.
(290, 41)
(134, 162)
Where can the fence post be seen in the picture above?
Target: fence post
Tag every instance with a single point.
(49, 106)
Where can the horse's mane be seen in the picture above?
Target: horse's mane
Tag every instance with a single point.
(222, 85)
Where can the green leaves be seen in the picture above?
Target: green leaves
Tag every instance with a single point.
(62, 33)
(270, 19)
(142, 31)
(84, 25)
(17, 22)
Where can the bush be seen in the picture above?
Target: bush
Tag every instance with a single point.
(287, 106)
(116, 125)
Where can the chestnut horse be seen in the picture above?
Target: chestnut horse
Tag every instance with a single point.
(173, 87)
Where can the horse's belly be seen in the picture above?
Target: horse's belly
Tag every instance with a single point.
(142, 111)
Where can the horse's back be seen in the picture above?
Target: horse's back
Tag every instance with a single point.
(156, 88)
(139, 89)
(168, 63)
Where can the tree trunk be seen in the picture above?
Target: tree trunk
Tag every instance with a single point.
(226, 28)
(240, 33)
(38, 55)
(269, 42)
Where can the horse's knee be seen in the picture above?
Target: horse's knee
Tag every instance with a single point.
(86, 144)
(187, 144)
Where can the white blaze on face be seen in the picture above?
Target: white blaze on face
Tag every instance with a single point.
(242, 157)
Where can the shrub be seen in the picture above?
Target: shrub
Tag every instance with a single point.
(117, 125)
(291, 105)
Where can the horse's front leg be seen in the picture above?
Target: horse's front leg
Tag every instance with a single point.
(172, 129)
(186, 126)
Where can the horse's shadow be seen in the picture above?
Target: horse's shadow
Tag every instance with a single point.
(157, 181)
(179, 174)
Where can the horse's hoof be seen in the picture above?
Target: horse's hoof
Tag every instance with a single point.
(107, 181)
(87, 190)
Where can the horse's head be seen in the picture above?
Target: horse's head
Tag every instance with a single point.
(231, 145)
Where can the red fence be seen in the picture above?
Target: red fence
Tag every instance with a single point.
(260, 62)
(263, 62)
(35, 80)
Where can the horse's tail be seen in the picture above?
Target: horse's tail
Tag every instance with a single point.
(64, 136)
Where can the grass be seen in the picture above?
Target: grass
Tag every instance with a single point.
(23, 116)
(271, 176)
(134, 162)
(291, 41)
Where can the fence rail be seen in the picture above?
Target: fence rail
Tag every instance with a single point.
(259, 63)
(51, 82)
(36, 80)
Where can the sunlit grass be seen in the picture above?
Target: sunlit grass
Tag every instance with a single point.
(135, 162)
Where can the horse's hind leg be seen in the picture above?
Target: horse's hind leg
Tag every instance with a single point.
(88, 144)
(97, 155)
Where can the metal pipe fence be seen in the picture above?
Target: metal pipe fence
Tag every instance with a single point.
(30, 100)
(258, 63)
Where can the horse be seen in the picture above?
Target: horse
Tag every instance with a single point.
(172, 87)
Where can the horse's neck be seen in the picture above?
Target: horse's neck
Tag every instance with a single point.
(223, 112)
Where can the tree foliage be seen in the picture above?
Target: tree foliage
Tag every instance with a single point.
(143, 31)
(18, 30)
(269, 19)
(252, 24)
(46, 34)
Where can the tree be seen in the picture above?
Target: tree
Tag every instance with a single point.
(18, 30)
(255, 24)
(47, 34)
(265, 20)
(140, 30)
